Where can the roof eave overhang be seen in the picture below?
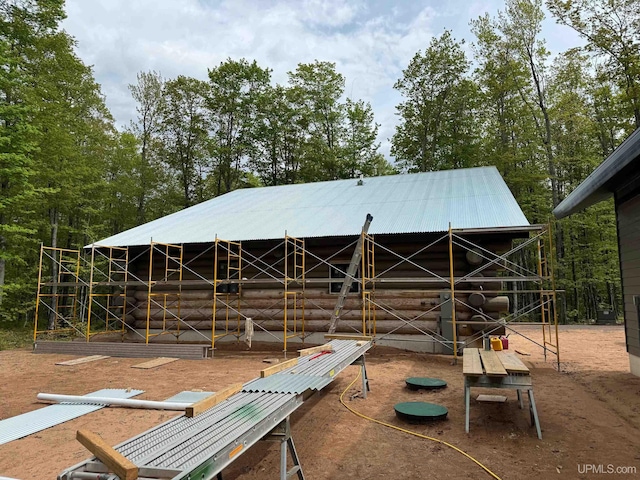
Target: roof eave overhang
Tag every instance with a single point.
(599, 185)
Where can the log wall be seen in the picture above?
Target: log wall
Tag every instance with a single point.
(264, 302)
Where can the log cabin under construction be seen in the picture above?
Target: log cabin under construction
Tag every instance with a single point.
(269, 264)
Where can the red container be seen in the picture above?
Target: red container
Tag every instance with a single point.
(505, 343)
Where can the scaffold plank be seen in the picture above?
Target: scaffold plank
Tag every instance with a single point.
(471, 364)
(492, 364)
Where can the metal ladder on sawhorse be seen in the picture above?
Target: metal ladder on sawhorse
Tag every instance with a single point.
(348, 279)
(282, 434)
(365, 379)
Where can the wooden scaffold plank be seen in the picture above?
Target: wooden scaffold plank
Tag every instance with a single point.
(471, 364)
(492, 364)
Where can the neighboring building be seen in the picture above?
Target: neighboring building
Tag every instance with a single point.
(619, 175)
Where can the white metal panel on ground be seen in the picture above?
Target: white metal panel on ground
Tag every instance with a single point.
(411, 203)
(37, 420)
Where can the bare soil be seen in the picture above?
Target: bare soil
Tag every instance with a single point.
(589, 411)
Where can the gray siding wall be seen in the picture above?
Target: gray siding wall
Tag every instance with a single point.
(628, 216)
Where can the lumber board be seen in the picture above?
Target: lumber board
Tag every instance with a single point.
(511, 363)
(311, 350)
(212, 400)
(78, 361)
(124, 468)
(332, 336)
(278, 367)
(492, 364)
(491, 398)
(156, 362)
(471, 364)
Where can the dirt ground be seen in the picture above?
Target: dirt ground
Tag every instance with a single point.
(589, 411)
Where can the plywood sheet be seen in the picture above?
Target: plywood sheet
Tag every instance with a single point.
(78, 361)
(156, 362)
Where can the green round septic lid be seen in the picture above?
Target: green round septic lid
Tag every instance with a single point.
(416, 383)
(420, 412)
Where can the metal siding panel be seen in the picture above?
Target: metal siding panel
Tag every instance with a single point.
(43, 418)
(412, 203)
(628, 219)
(634, 350)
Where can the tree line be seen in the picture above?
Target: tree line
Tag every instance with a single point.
(68, 176)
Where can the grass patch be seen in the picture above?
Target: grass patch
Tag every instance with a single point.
(14, 337)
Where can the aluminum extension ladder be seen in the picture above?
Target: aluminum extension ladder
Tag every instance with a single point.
(348, 280)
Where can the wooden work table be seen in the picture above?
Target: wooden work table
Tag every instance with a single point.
(491, 369)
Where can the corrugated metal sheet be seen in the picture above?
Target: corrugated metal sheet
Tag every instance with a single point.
(311, 373)
(287, 383)
(37, 420)
(120, 349)
(183, 441)
(412, 203)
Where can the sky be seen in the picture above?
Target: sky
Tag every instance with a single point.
(371, 42)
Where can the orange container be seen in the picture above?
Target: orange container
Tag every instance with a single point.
(496, 344)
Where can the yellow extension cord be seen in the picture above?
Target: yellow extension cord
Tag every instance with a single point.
(486, 469)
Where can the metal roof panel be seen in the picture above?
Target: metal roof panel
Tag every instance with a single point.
(410, 203)
(37, 420)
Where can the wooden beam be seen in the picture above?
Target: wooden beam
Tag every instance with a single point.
(511, 363)
(332, 336)
(114, 460)
(212, 400)
(278, 367)
(471, 364)
(492, 364)
(327, 347)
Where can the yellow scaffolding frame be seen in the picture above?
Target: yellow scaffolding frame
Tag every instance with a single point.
(545, 278)
(548, 300)
(452, 281)
(67, 262)
(368, 273)
(117, 274)
(298, 296)
(173, 257)
(232, 276)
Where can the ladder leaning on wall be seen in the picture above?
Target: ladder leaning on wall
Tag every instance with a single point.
(348, 279)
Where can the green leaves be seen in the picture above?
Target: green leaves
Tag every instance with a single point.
(438, 128)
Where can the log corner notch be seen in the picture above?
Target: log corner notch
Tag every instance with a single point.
(124, 468)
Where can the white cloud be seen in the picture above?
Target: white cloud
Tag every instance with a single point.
(370, 41)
